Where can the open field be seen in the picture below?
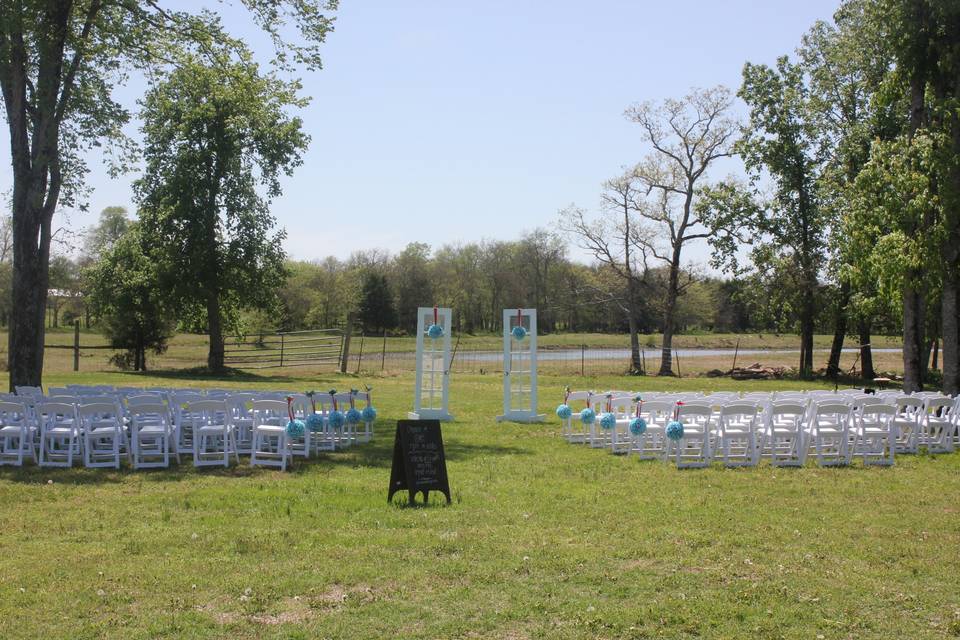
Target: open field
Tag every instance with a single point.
(543, 540)
(190, 350)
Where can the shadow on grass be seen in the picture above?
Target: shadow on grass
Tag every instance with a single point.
(202, 373)
(377, 454)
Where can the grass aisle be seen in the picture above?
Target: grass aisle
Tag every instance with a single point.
(543, 540)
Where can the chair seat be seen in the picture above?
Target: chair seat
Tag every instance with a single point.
(152, 430)
(60, 431)
(13, 430)
(103, 431)
(269, 428)
(213, 429)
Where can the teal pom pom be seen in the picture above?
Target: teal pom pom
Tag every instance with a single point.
(638, 426)
(608, 421)
(369, 414)
(335, 419)
(564, 412)
(353, 416)
(295, 429)
(674, 430)
(519, 332)
(587, 416)
(315, 422)
(435, 331)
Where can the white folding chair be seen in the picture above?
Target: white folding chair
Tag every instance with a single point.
(693, 449)
(17, 433)
(573, 429)
(270, 447)
(152, 439)
(738, 434)
(214, 439)
(652, 444)
(103, 439)
(874, 439)
(784, 433)
(937, 424)
(59, 434)
(829, 433)
(906, 423)
(241, 408)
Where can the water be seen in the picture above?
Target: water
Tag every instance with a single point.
(596, 354)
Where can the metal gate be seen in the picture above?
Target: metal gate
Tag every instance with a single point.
(318, 346)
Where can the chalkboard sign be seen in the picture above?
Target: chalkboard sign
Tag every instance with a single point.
(419, 464)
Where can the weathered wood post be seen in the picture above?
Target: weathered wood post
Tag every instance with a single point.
(76, 344)
(345, 351)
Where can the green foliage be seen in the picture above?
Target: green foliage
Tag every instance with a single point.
(214, 135)
(377, 312)
(123, 289)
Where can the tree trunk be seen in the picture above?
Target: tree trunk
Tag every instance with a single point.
(807, 313)
(28, 295)
(913, 336)
(951, 333)
(866, 351)
(666, 353)
(839, 331)
(214, 326)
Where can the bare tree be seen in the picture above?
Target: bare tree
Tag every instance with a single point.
(616, 240)
(685, 137)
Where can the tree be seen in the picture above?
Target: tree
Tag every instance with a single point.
(687, 136)
(214, 136)
(616, 242)
(377, 312)
(59, 62)
(780, 142)
(125, 291)
(111, 226)
(413, 283)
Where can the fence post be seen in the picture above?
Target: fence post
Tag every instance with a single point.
(360, 355)
(76, 345)
(281, 349)
(345, 352)
(383, 354)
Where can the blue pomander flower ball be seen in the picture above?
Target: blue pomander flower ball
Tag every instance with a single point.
(315, 422)
(638, 426)
(587, 416)
(369, 413)
(435, 331)
(519, 332)
(335, 419)
(353, 416)
(295, 429)
(608, 421)
(674, 429)
(564, 411)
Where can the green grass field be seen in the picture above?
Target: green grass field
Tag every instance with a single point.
(543, 540)
(190, 350)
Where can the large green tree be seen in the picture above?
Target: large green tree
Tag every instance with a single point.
(60, 61)
(125, 293)
(780, 145)
(217, 139)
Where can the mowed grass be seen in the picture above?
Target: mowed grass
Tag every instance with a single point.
(543, 540)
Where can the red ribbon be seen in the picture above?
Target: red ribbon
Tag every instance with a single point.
(290, 407)
(435, 316)
(676, 412)
(639, 406)
(566, 395)
(519, 317)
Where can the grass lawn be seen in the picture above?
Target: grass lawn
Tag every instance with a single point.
(543, 540)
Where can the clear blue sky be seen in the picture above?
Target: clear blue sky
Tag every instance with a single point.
(448, 122)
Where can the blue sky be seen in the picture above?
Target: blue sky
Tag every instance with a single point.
(445, 122)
